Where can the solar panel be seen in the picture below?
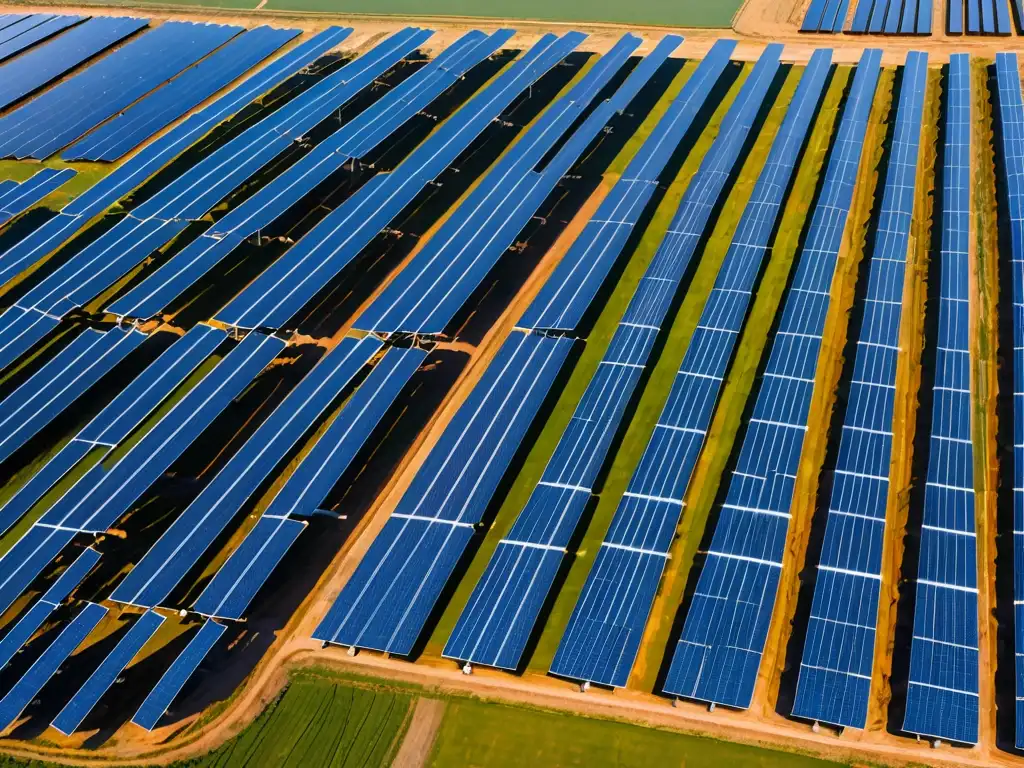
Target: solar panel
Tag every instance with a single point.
(32, 191)
(33, 30)
(354, 139)
(174, 679)
(119, 418)
(838, 657)
(1011, 120)
(27, 559)
(60, 382)
(74, 106)
(235, 585)
(100, 498)
(432, 288)
(387, 601)
(88, 696)
(719, 651)
(45, 63)
(593, 649)
(46, 666)
(18, 635)
(942, 696)
(862, 16)
(134, 171)
(503, 608)
(143, 119)
(294, 279)
(191, 534)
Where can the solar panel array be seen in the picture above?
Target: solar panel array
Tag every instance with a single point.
(719, 651)
(282, 289)
(45, 63)
(825, 16)
(168, 212)
(65, 112)
(387, 601)
(355, 139)
(603, 634)
(838, 655)
(60, 382)
(174, 679)
(194, 531)
(20, 198)
(235, 585)
(979, 17)
(942, 697)
(165, 104)
(893, 17)
(428, 292)
(30, 30)
(1011, 122)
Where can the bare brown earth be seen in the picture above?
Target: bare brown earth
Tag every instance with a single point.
(420, 735)
(758, 22)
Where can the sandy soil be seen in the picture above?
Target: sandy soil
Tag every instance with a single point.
(420, 736)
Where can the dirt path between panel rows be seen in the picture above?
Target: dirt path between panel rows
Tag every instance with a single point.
(421, 734)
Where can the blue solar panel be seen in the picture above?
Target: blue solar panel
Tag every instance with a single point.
(46, 666)
(719, 652)
(102, 496)
(835, 672)
(1011, 119)
(519, 577)
(190, 535)
(277, 294)
(357, 137)
(20, 330)
(167, 103)
(387, 601)
(862, 16)
(942, 697)
(428, 292)
(60, 382)
(174, 679)
(27, 559)
(236, 583)
(134, 171)
(812, 19)
(32, 191)
(593, 649)
(65, 112)
(9, 20)
(45, 63)
(117, 420)
(34, 29)
(89, 695)
(835, 16)
(955, 17)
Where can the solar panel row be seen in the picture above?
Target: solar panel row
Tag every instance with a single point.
(157, 221)
(387, 601)
(133, 172)
(428, 292)
(174, 679)
(893, 17)
(288, 284)
(75, 106)
(496, 623)
(168, 102)
(357, 137)
(88, 696)
(118, 419)
(46, 666)
(45, 63)
(100, 496)
(603, 634)
(942, 697)
(1011, 122)
(825, 16)
(30, 30)
(838, 656)
(235, 585)
(18, 635)
(182, 545)
(31, 191)
(719, 651)
(980, 17)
